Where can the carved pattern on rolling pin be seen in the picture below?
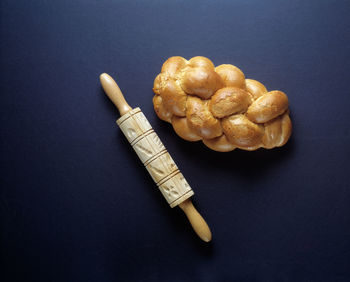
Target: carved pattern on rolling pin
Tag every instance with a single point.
(146, 148)
(175, 187)
(161, 167)
(133, 124)
(143, 150)
(157, 140)
(154, 156)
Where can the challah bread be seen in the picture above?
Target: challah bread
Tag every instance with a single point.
(182, 129)
(228, 101)
(231, 76)
(219, 106)
(201, 120)
(162, 113)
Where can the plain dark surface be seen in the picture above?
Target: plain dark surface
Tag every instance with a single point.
(76, 203)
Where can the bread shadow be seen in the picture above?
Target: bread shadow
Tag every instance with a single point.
(250, 165)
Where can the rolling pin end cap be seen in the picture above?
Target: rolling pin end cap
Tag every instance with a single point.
(112, 90)
(104, 76)
(206, 236)
(198, 223)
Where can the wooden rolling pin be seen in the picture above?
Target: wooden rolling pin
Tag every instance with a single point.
(155, 157)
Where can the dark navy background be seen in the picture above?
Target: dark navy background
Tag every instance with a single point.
(76, 203)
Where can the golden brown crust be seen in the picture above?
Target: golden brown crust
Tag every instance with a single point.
(220, 144)
(277, 132)
(200, 119)
(241, 132)
(200, 61)
(202, 82)
(173, 65)
(231, 76)
(268, 106)
(229, 100)
(174, 98)
(220, 106)
(182, 129)
(286, 129)
(272, 136)
(251, 148)
(161, 112)
(157, 84)
(255, 88)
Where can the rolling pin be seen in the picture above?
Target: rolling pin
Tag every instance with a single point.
(155, 157)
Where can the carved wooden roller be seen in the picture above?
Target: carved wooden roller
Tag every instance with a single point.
(155, 157)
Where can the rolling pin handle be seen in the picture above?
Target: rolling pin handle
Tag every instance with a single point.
(114, 93)
(198, 223)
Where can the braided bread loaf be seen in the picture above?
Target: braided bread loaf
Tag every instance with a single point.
(219, 106)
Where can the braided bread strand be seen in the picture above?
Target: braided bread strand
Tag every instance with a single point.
(219, 106)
